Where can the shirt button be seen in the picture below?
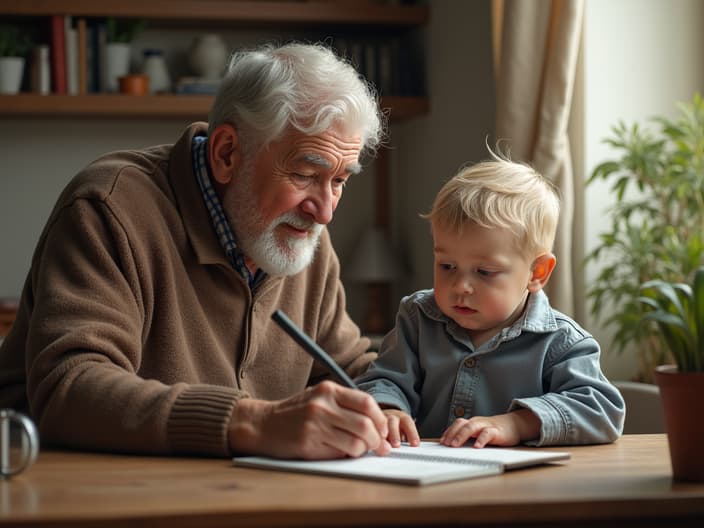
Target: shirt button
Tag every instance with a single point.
(470, 362)
(459, 411)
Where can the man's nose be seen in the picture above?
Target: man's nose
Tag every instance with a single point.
(320, 205)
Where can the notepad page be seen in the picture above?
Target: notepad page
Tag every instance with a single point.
(431, 462)
(408, 470)
(507, 457)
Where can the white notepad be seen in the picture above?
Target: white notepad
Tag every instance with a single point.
(429, 463)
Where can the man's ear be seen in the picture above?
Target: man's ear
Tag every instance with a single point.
(224, 153)
(541, 270)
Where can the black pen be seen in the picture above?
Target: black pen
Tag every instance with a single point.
(312, 347)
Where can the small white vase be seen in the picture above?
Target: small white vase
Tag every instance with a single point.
(207, 56)
(155, 68)
(11, 70)
(115, 64)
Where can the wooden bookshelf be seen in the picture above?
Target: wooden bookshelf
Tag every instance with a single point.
(152, 106)
(362, 12)
(226, 13)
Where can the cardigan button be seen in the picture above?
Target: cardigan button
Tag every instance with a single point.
(470, 362)
(459, 411)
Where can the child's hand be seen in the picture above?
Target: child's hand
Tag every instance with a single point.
(401, 428)
(502, 430)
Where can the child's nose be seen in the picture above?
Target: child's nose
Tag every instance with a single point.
(464, 285)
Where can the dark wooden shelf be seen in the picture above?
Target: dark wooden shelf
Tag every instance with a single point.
(151, 106)
(265, 11)
(256, 13)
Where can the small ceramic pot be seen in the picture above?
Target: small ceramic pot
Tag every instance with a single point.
(135, 84)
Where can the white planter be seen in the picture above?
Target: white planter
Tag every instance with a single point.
(11, 70)
(115, 63)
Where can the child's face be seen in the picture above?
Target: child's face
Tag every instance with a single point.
(481, 279)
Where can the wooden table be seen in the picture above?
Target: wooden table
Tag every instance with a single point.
(628, 483)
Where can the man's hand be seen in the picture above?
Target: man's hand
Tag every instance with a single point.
(325, 421)
(401, 428)
(502, 430)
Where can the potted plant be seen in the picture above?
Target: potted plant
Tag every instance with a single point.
(657, 225)
(119, 34)
(15, 44)
(675, 311)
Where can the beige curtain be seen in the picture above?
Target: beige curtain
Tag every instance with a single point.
(536, 43)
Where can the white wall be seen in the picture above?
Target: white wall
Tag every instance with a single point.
(640, 58)
(432, 148)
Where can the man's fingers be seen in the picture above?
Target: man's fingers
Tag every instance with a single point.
(363, 404)
(348, 419)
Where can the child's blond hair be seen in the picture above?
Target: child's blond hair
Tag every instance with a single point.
(501, 193)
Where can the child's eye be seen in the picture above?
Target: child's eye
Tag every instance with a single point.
(446, 267)
(486, 273)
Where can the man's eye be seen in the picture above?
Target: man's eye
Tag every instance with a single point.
(339, 184)
(301, 179)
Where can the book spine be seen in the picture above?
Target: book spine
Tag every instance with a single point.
(58, 54)
(41, 70)
(81, 29)
(100, 70)
(95, 30)
(71, 56)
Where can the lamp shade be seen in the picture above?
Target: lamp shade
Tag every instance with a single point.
(373, 259)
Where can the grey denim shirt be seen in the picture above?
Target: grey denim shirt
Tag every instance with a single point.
(545, 362)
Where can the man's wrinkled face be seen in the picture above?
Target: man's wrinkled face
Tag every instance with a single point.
(281, 198)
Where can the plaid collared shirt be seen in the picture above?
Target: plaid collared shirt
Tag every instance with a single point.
(199, 149)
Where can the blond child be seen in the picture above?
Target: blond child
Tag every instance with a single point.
(482, 355)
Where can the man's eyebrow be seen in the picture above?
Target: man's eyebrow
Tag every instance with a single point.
(354, 168)
(317, 159)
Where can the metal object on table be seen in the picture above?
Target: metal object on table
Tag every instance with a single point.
(19, 443)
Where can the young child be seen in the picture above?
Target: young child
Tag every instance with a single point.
(482, 355)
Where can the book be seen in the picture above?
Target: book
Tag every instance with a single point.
(82, 32)
(429, 463)
(197, 86)
(71, 50)
(58, 54)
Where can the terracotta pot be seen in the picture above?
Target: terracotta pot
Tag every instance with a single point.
(134, 84)
(682, 395)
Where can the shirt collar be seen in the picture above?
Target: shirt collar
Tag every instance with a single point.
(223, 230)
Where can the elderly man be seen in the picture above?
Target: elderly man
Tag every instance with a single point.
(144, 324)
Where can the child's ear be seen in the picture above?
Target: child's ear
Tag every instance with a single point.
(541, 270)
(224, 153)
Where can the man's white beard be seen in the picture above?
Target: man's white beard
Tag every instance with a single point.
(276, 257)
(296, 254)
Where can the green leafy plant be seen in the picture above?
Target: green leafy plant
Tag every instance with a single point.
(657, 225)
(123, 29)
(14, 41)
(677, 312)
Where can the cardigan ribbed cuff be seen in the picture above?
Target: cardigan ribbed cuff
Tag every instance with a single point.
(199, 420)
